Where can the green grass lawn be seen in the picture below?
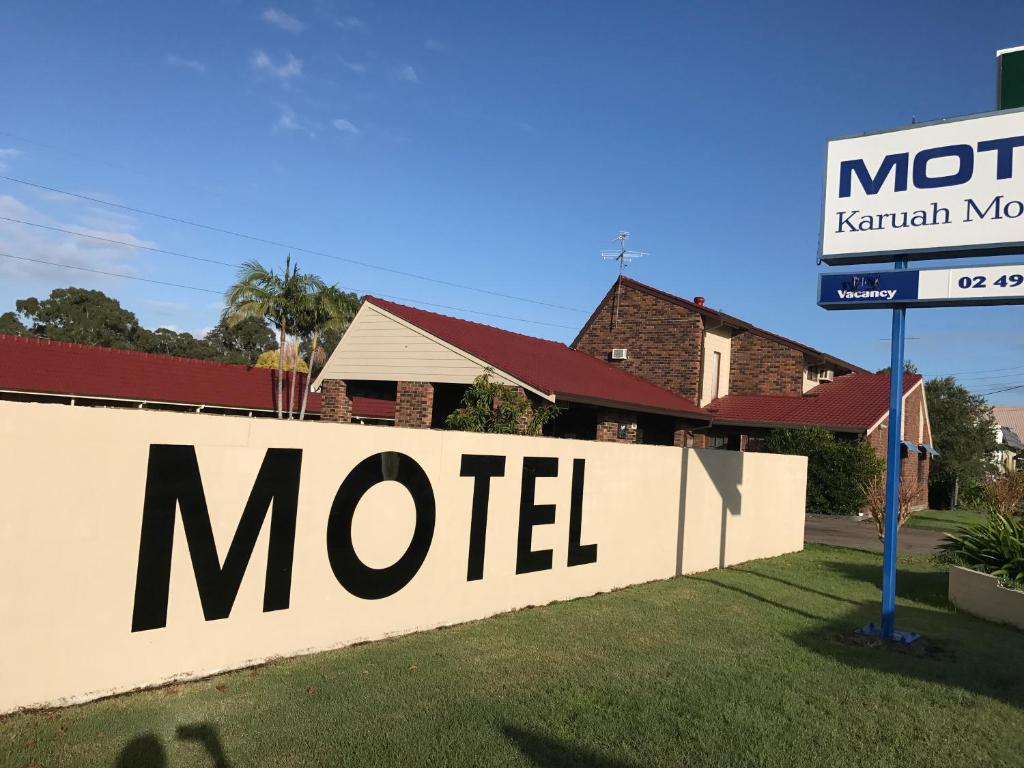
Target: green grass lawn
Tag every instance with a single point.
(746, 667)
(944, 519)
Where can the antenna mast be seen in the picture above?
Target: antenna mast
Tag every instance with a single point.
(624, 257)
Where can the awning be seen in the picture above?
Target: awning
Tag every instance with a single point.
(925, 448)
(910, 446)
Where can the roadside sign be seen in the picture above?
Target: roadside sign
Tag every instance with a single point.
(935, 190)
(1010, 78)
(943, 287)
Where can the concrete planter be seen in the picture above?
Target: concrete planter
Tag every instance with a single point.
(982, 595)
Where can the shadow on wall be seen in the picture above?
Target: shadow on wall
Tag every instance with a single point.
(725, 471)
(146, 751)
(546, 752)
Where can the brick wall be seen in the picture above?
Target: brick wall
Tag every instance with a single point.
(337, 405)
(914, 467)
(414, 404)
(663, 339)
(760, 366)
(609, 422)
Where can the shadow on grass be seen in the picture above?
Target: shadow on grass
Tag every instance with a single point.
(146, 751)
(928, 587)
(760, 598)
(546, 752)
(961, 652)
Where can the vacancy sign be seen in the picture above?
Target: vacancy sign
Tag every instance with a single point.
(952, 287)
(935, 190)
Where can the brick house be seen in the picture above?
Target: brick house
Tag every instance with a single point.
(751, 380)
(423, 362)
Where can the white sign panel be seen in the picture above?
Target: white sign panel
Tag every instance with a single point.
(935, 190)
(946, 287)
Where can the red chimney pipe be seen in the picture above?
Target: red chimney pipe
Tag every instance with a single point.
(698, 300)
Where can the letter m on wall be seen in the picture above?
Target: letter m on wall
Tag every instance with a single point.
(172, 483)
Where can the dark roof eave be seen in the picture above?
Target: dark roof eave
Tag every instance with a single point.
(789, 425)
(639, 408)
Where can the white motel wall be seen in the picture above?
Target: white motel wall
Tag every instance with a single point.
(82, 617)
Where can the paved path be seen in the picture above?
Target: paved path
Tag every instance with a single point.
(860, 533)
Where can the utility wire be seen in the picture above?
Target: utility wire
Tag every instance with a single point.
(220, 293)
(278, 244)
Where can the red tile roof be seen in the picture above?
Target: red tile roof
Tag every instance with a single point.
(735, 322)
(60, 368)
(854, 402)
(548, 366)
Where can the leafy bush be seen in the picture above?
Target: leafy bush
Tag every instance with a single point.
(838, 471)
(489, 406)
(995, 546)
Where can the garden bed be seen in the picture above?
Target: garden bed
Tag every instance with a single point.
(982, 595)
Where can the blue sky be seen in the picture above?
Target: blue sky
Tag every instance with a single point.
(498, 145)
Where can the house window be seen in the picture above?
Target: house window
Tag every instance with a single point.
(716, 369)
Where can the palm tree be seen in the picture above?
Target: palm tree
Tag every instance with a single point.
(261, 292)
(327, 308)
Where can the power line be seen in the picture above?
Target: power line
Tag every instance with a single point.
(110, 274)
(987, 370)
(220, 293)
(109, 164)
(1006, 389)
(119, 242)
(278, 244)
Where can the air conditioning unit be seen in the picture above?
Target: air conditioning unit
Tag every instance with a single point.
(826, 375)
(619, 353)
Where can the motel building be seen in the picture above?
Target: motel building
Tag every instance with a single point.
(648, 367)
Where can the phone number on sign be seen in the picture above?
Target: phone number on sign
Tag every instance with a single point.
(980, 281)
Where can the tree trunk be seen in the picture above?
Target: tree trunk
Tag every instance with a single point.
(309, 379)
(280, 374)
(291, 384)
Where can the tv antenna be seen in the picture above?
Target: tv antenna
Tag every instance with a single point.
(624, 257)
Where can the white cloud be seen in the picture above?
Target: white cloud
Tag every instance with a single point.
(407, 74)
(45, 245)
(351, 24)
(434, 45)
(167, 309)
(282, 20)
(261, 62)
(345, 126)
(288, 120)
(6, 155)
(179, 62)
(354, 66)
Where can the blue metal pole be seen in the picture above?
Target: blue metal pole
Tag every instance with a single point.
(892, 468)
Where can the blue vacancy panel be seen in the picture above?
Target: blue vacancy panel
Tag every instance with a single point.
(953, 287)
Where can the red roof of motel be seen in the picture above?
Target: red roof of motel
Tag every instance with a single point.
(56, 367)
(855, 402)
(547, 366)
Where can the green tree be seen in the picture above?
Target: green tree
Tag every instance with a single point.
(963, 432)
(488, 406)
(80, 316)
(242, 342)
(838, 471)
(908, 367)
(326, 310)
(276, 298)
(11, 325)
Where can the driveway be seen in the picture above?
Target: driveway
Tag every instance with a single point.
(860, 533)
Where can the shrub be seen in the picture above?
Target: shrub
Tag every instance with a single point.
(995, 546)
(838, 471)
(1005, 492)
(874, 493)
(489, 406)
